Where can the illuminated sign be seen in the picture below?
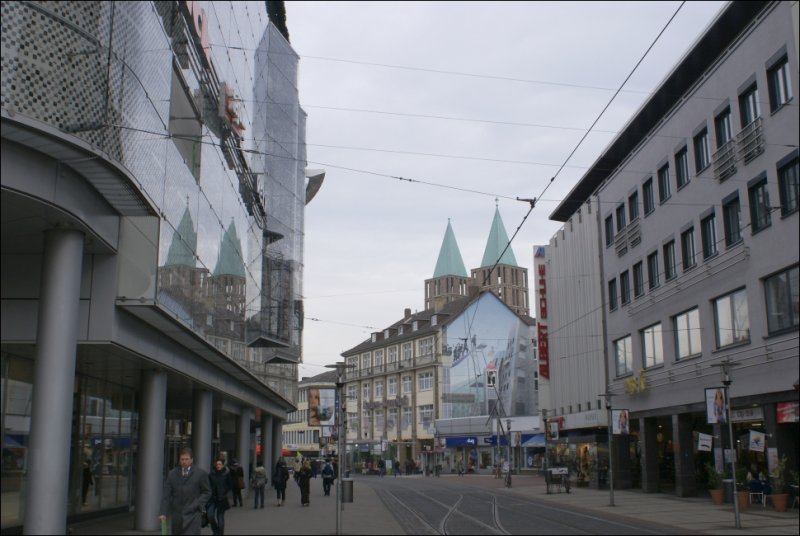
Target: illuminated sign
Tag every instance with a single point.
(541, 321)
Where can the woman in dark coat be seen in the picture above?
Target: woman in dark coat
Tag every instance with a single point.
(304, 480)
(279, 479)
(220, 482)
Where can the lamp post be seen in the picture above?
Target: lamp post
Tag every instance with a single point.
(725, 367)
(508, 441)
(341, 440)
(608, 396)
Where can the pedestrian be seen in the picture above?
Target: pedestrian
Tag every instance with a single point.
(280, 476)
(381, 467)
(396, 467)
(237, 482)
(258, 482)
(328, 475)
(314, 468)
(460, 466)
(220, 481)
(186, 493)
(304, 481)
(87, 480)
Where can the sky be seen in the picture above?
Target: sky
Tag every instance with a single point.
(427, 112)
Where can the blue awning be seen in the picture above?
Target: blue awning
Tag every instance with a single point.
(535, 441)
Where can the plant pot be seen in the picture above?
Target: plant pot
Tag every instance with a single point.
(716, 495)
(743, 498)
(780, 501)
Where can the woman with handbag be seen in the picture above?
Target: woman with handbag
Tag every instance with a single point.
(220, 482)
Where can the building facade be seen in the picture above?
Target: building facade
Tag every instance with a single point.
(148, 302)
(420, 391)
(304, 433)
(698, 229)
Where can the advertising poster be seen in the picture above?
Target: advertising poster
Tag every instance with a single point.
(620, 420)
(715, 405)
(321, 405)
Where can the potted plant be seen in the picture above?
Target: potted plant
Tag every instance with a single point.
(714, 481)
(776, 478)
(742, 493)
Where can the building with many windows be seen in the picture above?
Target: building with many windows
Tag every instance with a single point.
(151, 282)
(417, 390)
(696, 207)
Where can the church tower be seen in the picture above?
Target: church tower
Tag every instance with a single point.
(450, 280)
(507, 280)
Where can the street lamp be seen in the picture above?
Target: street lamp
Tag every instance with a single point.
(341, 440)
(725, 367)
(508, 440)
(608, 396)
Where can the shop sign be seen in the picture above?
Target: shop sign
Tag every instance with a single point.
(788, 412)
(541, 321)
(747, 414)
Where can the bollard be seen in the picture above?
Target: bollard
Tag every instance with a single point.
(347, 490)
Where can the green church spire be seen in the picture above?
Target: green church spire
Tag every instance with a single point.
(184, 243)
(498, 239)
(230, 261)
(450, 261)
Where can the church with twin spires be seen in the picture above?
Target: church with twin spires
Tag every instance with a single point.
(507, 280)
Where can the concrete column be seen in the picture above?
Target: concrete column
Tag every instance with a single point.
(201, 428)
(149, 468)
(268, 458)
(685, 485)
(53, 383)
(243, 446)
(649, 449)
(277, 439)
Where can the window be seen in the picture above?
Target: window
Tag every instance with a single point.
(378, 358)
(625, 286)
(407, 351)
(392, 387)
(760, 217)
(365, 361)
(379, 389)
(426, 417)
(426, 346)
(406, 417)
(633, 206)
(722, 127)
(788, 184)
(709, 235)
(365, 392)
(406, 385)
(425, 381)
(638, 279)
(621, 217)
(687, 248)
(783, 303)
(780, 85)
(652, 348)
(670, 270)
(609, 230)
(687, 333)
(647, 196)
(701, 154)
(392, 354)
(663, 183)
(730, 217)
(652, 269)
(612, 294)
(731, 318)
(391, 421)
(748, 105)
(682, 168)
(623, 350)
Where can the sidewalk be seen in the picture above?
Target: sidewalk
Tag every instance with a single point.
(367, 515)
(695, 515)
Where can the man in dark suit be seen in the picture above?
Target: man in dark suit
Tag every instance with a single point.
(186, 493)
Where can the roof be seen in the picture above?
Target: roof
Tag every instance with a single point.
(497, 242)
(230, 261)
(450, 261)
(329, 376)
(184, 242)
(719, 36)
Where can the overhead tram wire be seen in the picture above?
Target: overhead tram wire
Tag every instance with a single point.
(532, 202)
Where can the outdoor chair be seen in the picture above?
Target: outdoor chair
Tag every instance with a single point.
(756, 489)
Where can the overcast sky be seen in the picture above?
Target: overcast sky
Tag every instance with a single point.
(490, 97)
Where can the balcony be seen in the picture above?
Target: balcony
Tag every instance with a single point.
(751, 140)
(725, 161)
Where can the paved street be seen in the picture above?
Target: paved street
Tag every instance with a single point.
(480, 504)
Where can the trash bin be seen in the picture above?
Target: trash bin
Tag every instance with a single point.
(347, 490)
(727, 490)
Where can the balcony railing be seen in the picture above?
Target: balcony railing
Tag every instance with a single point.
(725, 161)
(751, 140)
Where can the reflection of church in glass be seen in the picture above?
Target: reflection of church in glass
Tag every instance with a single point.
(212, 303)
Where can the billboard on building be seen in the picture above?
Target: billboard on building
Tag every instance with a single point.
(321, 404)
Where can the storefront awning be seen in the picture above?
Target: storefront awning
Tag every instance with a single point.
(536, 440)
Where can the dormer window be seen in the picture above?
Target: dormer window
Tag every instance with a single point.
(374, 337)
(433, 320)
(385, 333)
(415, 325)
(400, 330)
